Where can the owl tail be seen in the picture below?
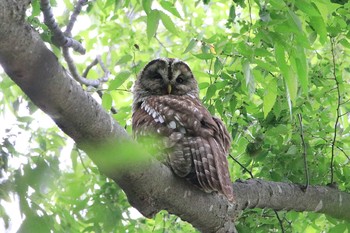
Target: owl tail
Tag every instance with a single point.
(211, 166)
(224, 184)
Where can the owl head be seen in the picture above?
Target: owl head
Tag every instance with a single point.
(165, 76)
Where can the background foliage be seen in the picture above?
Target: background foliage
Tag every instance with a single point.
(259, 64)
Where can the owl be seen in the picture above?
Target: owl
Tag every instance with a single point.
(166, 105)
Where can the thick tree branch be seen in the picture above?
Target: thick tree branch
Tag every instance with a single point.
(150, 186)
(283, 196)
(36, 70)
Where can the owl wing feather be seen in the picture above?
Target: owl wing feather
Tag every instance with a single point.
(207, 158)
(197, 142)
(198, 165)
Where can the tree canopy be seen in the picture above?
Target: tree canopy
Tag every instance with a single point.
(276, 72)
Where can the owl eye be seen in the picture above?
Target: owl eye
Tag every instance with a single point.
(156, 76)
(180, 79)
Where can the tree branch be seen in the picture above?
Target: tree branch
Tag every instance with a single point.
(257, 193)
(335, 134)
(59, 37)
(149, 185)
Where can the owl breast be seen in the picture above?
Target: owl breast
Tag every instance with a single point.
(196, 144)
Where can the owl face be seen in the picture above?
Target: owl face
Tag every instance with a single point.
(165, 76)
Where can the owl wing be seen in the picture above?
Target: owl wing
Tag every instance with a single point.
(197, 143)
(217, 145)
(220, 145)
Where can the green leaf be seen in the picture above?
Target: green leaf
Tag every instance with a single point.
(34, 223)
(170, 7)
(203, 85)
(233, 104)
(291, 81)
(295, 19)
(124, 59)
(338, 228)
(320, 27)
(147, 5)
(277, 4)
(220, 84)
(191, 45)
(152, 23)
(241, 145)
(106, 101)
(167, 22)
(345, 43)
(219, 106)
(204, 56)
(211, 109)
(232, 14)
(327, 8)
(119, 80)
(266, 66)
(210, 91)
(295, 25)
(225, 75)
(307, 7)
(217, 65)
(35, 8)
(270, 96)
(74, 158)
(249, 77)
(109, 3)
(301, 67)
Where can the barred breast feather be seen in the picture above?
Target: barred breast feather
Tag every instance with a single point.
(195, 142)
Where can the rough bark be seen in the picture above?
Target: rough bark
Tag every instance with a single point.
(257, 193)
(150, 186)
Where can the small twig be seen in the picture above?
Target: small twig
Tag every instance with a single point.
(74, 72)
(88, 68)
(250, 19)
(58, 36)
(104, 68)
(331, 90)
(161, 44)
(346, 101)
(65, 42)
(343, 151)
(307, 178)
(117, 89)
(272, 74)
(103, 79)
(134, 63)
(241, 165)
(337, 111)
(279, 220)
(82, 161)
(73, 17)
(106, 72)
(318, 137)
(341, 115)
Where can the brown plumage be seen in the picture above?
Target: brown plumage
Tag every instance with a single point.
(166, 105)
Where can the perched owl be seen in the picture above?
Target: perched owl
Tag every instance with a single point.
(166, 105)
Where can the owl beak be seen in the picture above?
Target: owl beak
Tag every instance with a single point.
(169, 88)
